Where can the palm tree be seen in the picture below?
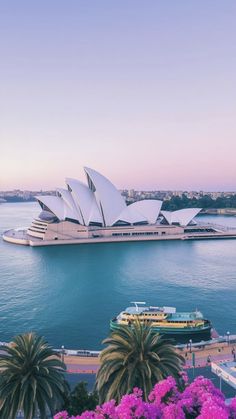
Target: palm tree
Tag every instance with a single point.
(31, 378)
(135, 357)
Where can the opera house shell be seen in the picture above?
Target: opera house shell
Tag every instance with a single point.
(181, 217)
(97, 209)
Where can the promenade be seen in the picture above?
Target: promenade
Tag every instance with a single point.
(19, 236)
(218, 352)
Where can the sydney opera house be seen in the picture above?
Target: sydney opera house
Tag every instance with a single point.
(98, 210)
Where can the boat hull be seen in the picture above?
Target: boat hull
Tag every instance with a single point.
(179, 336)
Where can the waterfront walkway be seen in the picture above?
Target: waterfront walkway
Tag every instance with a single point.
(20, 236)
(217, 352)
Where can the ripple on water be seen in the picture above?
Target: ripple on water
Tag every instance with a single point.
(69, 293)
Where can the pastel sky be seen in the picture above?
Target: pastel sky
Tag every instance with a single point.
(143, 91)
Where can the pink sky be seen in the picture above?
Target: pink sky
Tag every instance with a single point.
(145, 95)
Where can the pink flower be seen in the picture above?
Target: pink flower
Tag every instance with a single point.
(211, 409)
(137, 391)
(184, 377)
(200, 399)
(62, 415)
(165, 392)
(232, 408)
(200, 391)
(86, 415)
(173, 411)
(108, 409)
(186, 405)
(131, 406)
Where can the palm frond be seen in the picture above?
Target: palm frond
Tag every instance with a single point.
(134, 356)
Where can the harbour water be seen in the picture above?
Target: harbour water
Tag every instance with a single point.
(69, 293)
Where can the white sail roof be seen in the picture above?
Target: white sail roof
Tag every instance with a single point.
(85, 201)
(95, 214)
(182, 217)
(109, 199)
(70, 210)
(54, 203)
(131, 216)
(148, 208)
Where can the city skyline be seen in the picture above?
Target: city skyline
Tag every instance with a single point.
(144, 93)
(128, 193)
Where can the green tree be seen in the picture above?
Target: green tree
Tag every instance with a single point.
(135, 357)
(80, 400)
(32, 378)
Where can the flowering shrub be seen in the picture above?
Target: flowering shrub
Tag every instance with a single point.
(200, 399)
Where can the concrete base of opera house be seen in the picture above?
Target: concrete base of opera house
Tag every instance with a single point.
(20, 236)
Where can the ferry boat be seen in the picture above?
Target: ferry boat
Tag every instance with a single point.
(179, 326)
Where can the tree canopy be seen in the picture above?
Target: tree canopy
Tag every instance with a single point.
(32, 378)
(135, 357)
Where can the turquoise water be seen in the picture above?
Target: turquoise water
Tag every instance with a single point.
(69, 293)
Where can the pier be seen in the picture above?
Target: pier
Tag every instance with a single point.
(218, 350)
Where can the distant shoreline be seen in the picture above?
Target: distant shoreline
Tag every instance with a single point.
(15, 201)
(218, 211)
(204, 211)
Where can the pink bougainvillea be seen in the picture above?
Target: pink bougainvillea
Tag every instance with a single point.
(200, 399)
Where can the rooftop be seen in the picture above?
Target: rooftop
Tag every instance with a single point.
(226, 371)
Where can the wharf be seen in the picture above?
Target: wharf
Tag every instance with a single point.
(218, 352)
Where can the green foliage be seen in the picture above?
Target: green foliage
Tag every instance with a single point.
(80, 400)
(204, 202)
(32, 378)
(135, 357)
